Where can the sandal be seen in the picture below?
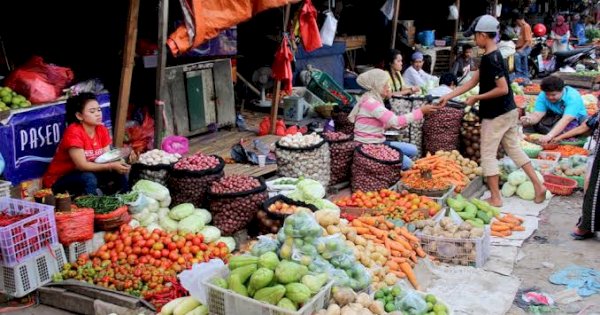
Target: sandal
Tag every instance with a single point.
(581, 237)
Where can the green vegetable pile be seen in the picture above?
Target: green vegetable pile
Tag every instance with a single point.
(409, 302)
(475, 211)
(283, 283)
(105, 204)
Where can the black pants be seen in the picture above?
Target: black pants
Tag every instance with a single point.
(87, 183)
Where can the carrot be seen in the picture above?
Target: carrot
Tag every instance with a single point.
(357, 223)
(497, 234)
(362, 230)
(382, 226)
(389, 224)
(401, 240)
(395, 253)
(398, 259)
(377, 232)
(398, 273)
(367, 220)
(506, 233)
(392, 264)
(404, 232)
(500, 228)
(413, 257)
(519, 228)
(420, 252)
(407, 269)
(395, 245)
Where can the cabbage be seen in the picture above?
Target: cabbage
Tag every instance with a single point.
(324, 204)
(517, 178)
(508, 190)
(151, 189)
(191, 224)
(165, 202)
(163, 212)
(204, 214)
(181, 211)
(152, 205)
(310, 189)
(526, 191)
(168, 224)
(142, 215)
(151, 218)
(210, 233)
(154, 226)
(229, 241)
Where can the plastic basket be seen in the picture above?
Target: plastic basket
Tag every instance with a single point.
(32, 273)
(579, 143)
(4, 188)
(466, 252)
(29, 236)
(223, 302)
(532, 153)
(579, 179)
(77, 249)
(440, 197)
(559, 185)
(324, 87)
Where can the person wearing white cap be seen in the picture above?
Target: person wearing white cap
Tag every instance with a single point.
(497, 110)
(415, 75)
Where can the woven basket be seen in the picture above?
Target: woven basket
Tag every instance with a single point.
(559, 185)
(113, 220)
(324, 110)
(579, 179)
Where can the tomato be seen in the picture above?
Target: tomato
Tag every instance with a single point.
(195, 249)
(188, 243)
(174, 255)
(145, 250)
(119, 247)
(128, 241)
(103, 255)
(172, 246)
(137, 250)
(157, 263)
(150, 243)
(221, 245)
(180, 243)
(196, 241)
(110, 245)
(128, 250)
(181, 260)
(224, 251)
(158, 246)
(164, 252)
(155, 236)
(203, 247)
(156, 254)
(185, 250)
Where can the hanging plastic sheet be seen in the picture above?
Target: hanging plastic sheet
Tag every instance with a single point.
(282, 65)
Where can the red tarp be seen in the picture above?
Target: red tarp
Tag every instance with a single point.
(204, 19)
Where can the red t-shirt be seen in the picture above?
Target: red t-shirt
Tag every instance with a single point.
(75, 137)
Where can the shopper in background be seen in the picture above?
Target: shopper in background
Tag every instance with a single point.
(524, 44)
(560, 34)
(497, 110)
(73, 169)
(415, 75)
(393, 65)
(371, 118)
(464, 63)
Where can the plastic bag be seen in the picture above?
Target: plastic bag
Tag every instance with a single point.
(265, 244)
(331, 246)
(142, 202)
(193, 279)
(141, 138)
(302, 225)
(412, 302)
(176, 144)
(328, 29)
(38, 81)
(309, 30)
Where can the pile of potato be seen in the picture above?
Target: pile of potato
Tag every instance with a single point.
(469, 167)
(449, 242)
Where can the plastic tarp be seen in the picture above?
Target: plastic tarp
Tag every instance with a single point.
(205, 19)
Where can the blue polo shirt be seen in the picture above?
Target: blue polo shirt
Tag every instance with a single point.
(570, 104)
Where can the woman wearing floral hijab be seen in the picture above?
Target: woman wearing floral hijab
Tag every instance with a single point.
(560, 34)
(371, 118)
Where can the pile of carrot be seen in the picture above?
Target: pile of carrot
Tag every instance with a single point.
(506, 225)
(444, 172)
(403, 247)
(570, 150)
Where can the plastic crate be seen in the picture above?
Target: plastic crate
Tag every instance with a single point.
(555, 156)
(223, 302)
(307, 95)
(466, 252)
(544, 166)
(77, 249)
(29, 236)
(32, 273)
(322, 85)
(4, 188)
(440, 200)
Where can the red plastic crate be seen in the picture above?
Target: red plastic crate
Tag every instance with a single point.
(29, 236)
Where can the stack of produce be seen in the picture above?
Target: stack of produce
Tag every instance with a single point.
(435, 173)
(235, 200)
(575, 167)
(143, 263)
(533, 88)
(186, 305)
(475, 212)
(516, 88)
(275, 210)
(393, 205)
(469, 167)
(591, 103)
(570, 150)
(9, 99)
(470, 132)
(441, 130)
(412, 133)
(452, 243)
(375, 167)
(312, 192)
(284, 283)
(342, 148)
(304, 155)
(503, 226)
(192, 176)
(154, 165)
(519, 183)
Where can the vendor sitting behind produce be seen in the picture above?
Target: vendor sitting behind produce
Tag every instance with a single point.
(73, 169)
(393, 65)
(558, 109)
(415, 75)
(371, 118)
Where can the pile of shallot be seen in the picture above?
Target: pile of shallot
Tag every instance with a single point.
(197, 162)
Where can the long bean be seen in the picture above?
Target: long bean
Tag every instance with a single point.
(100, 204)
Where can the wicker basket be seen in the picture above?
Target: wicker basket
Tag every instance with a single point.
(559, 185)
(324, 110)
(579, 179)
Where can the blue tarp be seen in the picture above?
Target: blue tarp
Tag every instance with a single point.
(585, 280)
(30, 138)
(329, 59)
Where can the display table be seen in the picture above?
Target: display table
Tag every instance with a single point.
(30, 137)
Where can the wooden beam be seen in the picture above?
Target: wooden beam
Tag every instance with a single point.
(275, 103)
(455, 35)
(395, 23)
(126, 72)
(159, 104)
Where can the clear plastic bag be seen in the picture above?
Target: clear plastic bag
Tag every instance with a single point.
(265, 244)
(193, 279)
(142, 202)
(331, 246)
(411, 302)
(302, 225)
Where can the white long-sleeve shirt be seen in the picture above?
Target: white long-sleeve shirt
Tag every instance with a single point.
(412, 77)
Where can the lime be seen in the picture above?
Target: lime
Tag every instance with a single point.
(7, 99)
(429, 306)
(439, 307)
(390, 307)
(381, 300)
(440, 313)
(389, 298)
(430, 298)
(379, 294)
(387, 290)
(396, 291)
(4, 92)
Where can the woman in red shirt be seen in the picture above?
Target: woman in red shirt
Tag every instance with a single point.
(73, 168)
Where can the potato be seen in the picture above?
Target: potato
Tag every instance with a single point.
(332, 229)
(476, 232)
(359, 240)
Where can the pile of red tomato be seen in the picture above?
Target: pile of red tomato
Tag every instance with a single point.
(144, 263)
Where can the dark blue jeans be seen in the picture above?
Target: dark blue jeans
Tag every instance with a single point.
(87, 183)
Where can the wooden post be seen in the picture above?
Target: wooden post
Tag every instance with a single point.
(494, 14)
(395, 23)
(126, 72)
(163, 23)
(275, 103)
(455, 35)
